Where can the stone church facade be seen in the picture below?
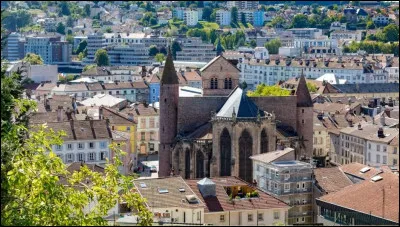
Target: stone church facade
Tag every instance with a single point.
(214, 135)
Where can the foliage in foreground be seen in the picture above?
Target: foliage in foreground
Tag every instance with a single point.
(39, 198)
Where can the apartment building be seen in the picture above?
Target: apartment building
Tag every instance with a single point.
(49, 47)
(223, 17)
(110, 74)
(381, 19)
(337, 26)
(393, 74)
(251, 5)
(147, 130)
(194, 50)
(347, 35)
(393, 152)
(247, 14)
(258, 18)
(50, 24)
(191, 17)
(178, 13)
(239, 203)
(280, 175)
(321, 45)
(274, 69)
(366, 144)
(124, 48)
(11, 51)
(306, 33)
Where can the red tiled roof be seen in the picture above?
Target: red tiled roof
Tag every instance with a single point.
(331, 179)
(354, 169)
(380, 198)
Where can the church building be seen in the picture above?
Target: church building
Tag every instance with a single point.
(215, 134)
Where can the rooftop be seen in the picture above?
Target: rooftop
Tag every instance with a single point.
(272, 156)
(331, 179)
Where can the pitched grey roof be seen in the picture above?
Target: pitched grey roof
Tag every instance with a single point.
(239, 103)
(367, 88)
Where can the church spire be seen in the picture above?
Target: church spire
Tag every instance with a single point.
(302, 93)
(169, 74)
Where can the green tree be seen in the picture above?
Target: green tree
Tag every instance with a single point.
(13, 20)
(70, 22)
(33, 59)
(311, 87)
(70, 39)
(207, 11)
(64, 8)
(159, 57)
(265, 90)
(88, 67)
(391, 33)
(153, 50)
(213, 15)
(234, 15)
(87, 10)
(81, 47)
(370, 25)
(253, 43)
(243, 19)
(174, 48)
(300, 21)
(273, 46)
(101, 58)
(278, 21)
(213, 35)
(60, 28)
(108, 30)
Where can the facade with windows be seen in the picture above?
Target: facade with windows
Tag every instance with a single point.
(290, 181)
(223, 17)
(194, 50)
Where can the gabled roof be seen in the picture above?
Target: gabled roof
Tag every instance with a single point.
(214, 60)
(240, 104)
(331, 179)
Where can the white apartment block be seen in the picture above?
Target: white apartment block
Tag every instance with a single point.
(191, 17)
(317, 46)
(223, 17)
(194, 50)
(393, 74)
(337, 26)
(243, 4)
(380, 19)
(347, 35)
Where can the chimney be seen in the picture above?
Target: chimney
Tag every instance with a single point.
(380, 133)
(71, 122)
(143, 71)
(387, 112)
(351, 123)
(59, 114)
(321, 115)
(359, 126)
(130, 116)
(383, 119)
(188, 69)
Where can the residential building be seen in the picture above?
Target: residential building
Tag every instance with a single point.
(85, 141)
(279, 174)
(154, 88)
(306, 33)
(50, 48)
(337, 26)
(393, 152)
(351, 14)
(110, 74)
(251, 5)
(381, 19)
(40, 73)
(11, 51)
(170, 200)
(349, 206)
(147, 131)
(194, 50)
(247, 14)
(258, 18)
(239, 203)
(50, 25)
(178, 13)
(223, 17)
(346, 35)
(320, 45)
(393, 74)
(321, 140)
(191, 17)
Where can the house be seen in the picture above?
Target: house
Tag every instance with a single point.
(147, 131)
(279, 174)
(170, 199)
(230, 201)
(380, 19)
(371, 202)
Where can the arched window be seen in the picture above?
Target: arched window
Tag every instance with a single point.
(199, 165)
(230, 83)
(245, 151)
(187, 164)
(264, 142)
(214, 83)
(226, 156)
(226, 83)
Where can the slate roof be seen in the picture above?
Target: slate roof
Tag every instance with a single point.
(169, 75)
(239, 103)
(302, 93)
(367, 197)
(368, 88)
(202, 132)
(82, 130)
(331, 179)
(221, 202)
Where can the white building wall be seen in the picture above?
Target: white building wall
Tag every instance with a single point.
(41, 73)
(377, 154)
